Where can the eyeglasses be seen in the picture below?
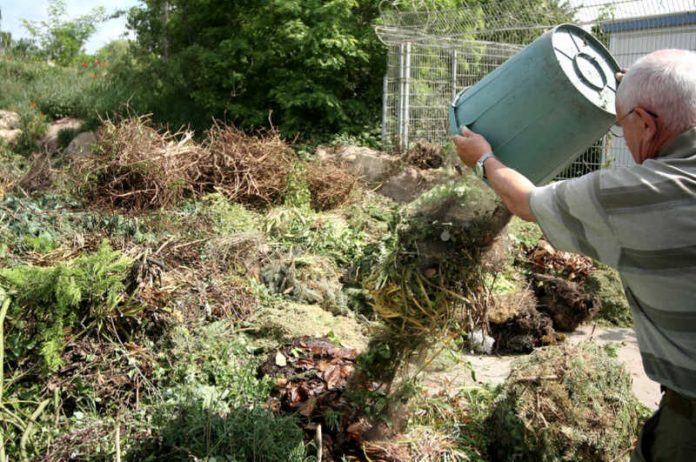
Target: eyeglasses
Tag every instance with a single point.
(617, 130)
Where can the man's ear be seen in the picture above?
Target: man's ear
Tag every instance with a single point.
(649, 124)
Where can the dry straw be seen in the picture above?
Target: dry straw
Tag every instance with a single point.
(330, 186)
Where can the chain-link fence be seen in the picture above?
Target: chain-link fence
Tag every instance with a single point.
(434, 54)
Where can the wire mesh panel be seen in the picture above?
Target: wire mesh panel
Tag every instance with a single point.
(434, 54)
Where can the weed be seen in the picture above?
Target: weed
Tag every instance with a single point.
(523, 233)
(458, 418)
(33, 124)
(65, 136)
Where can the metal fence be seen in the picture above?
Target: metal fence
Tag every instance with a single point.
(433, 54)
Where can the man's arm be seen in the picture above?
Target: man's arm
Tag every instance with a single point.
(512, 187)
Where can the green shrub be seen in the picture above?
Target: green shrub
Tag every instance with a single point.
(33, 124)
(49, 300)
(65, 136)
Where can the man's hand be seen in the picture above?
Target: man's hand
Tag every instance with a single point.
(512, 187)
(470, 146)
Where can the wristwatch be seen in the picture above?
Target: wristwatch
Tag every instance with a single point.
(480, 169)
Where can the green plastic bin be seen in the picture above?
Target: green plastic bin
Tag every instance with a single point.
(544, 106)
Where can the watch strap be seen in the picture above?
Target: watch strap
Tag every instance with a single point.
(481, 169)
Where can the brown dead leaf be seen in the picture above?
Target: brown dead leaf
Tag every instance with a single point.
(357, 429)
(307, 408)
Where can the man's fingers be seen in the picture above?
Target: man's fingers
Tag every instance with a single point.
(464, 131)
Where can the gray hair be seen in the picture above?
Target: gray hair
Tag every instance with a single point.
(663, 82)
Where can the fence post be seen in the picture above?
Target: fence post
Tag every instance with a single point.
(407, 97)
(385, 108)
(455, 67)
(400, 112)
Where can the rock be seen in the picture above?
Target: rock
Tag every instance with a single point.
(10, 136)
(9, 120)
(50, 140)
(480, 342)
(82, 144)
(371, 166)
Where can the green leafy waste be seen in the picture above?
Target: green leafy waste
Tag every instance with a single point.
(49, 300)
(566, 404)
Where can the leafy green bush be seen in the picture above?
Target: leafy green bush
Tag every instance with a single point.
(324, 57)
(49, 300)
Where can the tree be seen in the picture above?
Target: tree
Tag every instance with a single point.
(308, 65)
(60, 39)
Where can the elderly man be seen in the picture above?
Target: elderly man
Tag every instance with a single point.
(640, 220)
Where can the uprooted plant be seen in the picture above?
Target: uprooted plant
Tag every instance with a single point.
(430, 277)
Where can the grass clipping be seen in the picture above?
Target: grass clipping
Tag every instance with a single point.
(566, 403)
(432, 273)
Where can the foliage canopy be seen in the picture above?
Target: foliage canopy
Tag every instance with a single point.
(305, 65)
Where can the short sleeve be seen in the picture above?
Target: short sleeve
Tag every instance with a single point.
(572, 219)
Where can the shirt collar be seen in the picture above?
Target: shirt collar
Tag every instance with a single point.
(682, 146)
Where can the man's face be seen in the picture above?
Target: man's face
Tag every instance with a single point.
(631, 131)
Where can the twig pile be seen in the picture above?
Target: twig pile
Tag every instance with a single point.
(247, 169)
(136, 167)
(329, 185)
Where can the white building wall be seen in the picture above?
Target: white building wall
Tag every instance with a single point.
(627, 47)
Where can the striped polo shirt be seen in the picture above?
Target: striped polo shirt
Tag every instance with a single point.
(642, 221)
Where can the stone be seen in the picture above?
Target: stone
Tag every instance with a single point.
(10, 137)
(50, 139)
(370, 165)
(82, 144)
(9, 120)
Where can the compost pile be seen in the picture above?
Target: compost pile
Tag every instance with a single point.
(251, 170)
(311, 377)
(565, 403)
(226, 298)
(556, 302)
